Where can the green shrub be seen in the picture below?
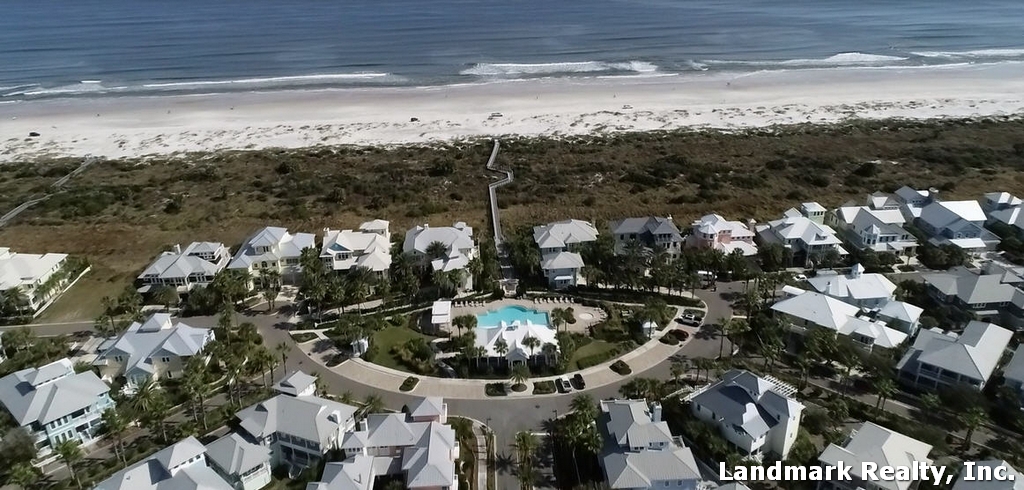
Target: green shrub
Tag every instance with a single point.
(303, 337)
(409, 383)
(495, 389)
(621, 368)
(543, 387)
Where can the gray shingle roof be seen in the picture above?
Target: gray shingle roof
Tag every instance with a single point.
(648, 226)
(308, 417)
(969, 287)
(874, 443)
(158, 472)
(561, 234)
(975, 353)
(641, 469)
(49, 392)
(561, 260)
(1015, 368)
(283, 245)
(294, 383)
(630, 424)
(156, 337)
(235, 455)
(747, 402)
(431, 406)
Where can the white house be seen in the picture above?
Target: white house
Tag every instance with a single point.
(912, 201)
(273, 248)
(296, 383)
(559, 244)
(939, 359)
(31, 273)
(714, 231)
(640, 450)
(299, 430)
(815, 310)
(873, 443)
(155, 349)
(180, 466)
(1005, 208)
(441, 315)
(54, 404)
(857, 288)
(241, 463)
(960, 223)
(514, 336)
(421, 449)
(455, 250)
(652, 232)
(185, 269)
(369, 247)
(877, 229)
(803, 232)
(1009, 477)
(755, 414)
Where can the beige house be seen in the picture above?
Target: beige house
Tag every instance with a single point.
(155, 349)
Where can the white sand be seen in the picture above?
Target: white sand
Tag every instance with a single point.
(138, 126)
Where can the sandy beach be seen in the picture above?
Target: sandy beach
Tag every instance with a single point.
(125, 127)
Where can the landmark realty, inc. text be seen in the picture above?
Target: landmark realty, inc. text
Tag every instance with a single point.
(863, 471)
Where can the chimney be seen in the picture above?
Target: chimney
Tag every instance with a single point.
(933, 194)
(751, 223)
(177, 248)
(655, 412)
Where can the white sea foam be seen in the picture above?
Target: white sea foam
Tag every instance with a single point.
(980, 53)
(268, 80)
(514, 69)
(841, 59)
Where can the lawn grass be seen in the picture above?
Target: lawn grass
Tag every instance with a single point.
(597, 347)
(390, 337)
(82, 301)
(117, 213)
(303, 337)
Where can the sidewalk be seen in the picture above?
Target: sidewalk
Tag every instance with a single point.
(640, 359)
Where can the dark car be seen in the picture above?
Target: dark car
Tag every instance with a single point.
(563, 385)
(577, 381)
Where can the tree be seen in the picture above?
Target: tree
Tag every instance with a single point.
(679, 369)
(195, 387)
(166, 295)
(70, 453)
(501, 348)
(270, 287)
(550, 352)
(532, 343)
(436, 250)
(557, 317)
(467, 322)
(116, 425)
(526, 444)
(373, 404)
(885, 388)
(520, 375)
(282, 350)
(972, 419)
(23, 475)
(659, 312)
(931, 403)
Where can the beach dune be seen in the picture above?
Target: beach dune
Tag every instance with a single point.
(127, 127)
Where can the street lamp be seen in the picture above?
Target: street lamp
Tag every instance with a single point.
(555, 412)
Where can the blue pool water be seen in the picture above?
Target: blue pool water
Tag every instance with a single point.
(510, 314)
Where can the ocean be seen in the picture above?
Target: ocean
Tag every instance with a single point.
(90, 48)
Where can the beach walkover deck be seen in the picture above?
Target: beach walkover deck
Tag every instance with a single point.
(508, 277)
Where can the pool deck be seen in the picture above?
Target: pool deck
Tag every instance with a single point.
(585, 315)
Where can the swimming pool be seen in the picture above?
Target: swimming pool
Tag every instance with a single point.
(510, 314)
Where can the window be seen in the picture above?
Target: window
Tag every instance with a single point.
(165, 360)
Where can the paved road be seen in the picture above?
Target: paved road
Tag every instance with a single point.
(504, 416)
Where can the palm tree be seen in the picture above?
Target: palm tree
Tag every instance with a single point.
(360, 281)
(110, 311)
(584, 406)
(282, 350)
(115, 425)
(70, 453)
(557, 317)
(885, 388)
(347, 398)
(531, 343)
(931, 403)
(972, 419)
(23, 475)
(679, 369)
(722, 328)
(520, 375)
(436, 250)
(145, 395)
(194, 384)
(263, 361)
(501, 348)
(167, 296)
(373, 404)
(270, 287)
(479, 352)
(526, 445)
(550, 351)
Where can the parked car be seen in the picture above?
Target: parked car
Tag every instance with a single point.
(563, 385)
(578, 382)
(800, 277)
(691, 319)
